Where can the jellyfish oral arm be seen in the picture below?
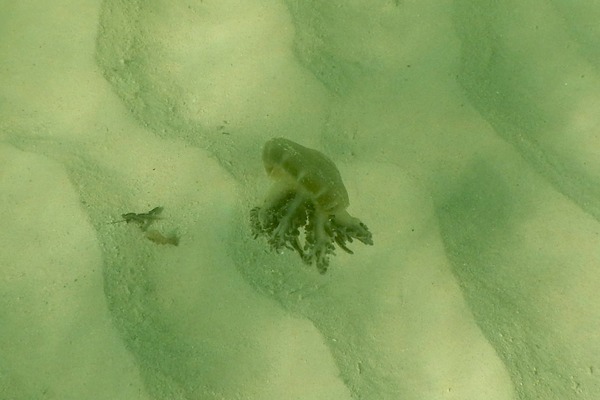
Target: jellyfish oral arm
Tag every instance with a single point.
(290, 222)
(352, 227)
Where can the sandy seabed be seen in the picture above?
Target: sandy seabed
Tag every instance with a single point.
(466, 133)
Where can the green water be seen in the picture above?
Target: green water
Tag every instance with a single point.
(466, 133)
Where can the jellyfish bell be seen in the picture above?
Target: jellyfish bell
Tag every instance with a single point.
(308, 196)
(311, 173)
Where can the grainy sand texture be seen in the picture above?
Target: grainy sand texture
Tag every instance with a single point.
(466, 132)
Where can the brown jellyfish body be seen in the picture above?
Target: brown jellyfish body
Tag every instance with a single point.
(307, 201)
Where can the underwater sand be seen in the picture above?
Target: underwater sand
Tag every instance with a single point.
(466, 132)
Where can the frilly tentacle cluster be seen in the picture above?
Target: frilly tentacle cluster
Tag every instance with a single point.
(284, 221)
(279, 223)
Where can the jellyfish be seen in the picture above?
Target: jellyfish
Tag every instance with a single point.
(305, 208)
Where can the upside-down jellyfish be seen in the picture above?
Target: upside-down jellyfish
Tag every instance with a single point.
(309, 197)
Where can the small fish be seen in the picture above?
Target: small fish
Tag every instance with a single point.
(143, 219)
(158, 238)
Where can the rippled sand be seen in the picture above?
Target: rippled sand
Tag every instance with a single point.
(467, 134)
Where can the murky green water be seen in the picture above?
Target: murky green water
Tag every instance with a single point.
(465, 132)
